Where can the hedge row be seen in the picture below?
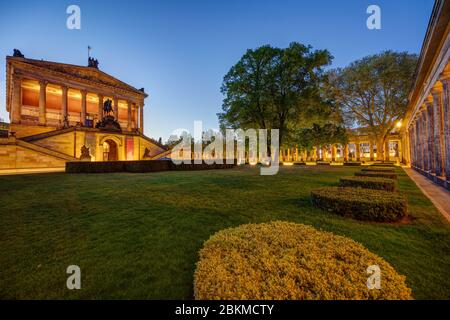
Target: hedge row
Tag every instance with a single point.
(352, 164)
(388, 175)
(361, 204)
(369, 183)
(290, 261)
(379, 169)
(383, 164)
(137, 166)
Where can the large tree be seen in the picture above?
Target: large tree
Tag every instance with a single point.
(372, 93)
(322, 136)
(273, 88)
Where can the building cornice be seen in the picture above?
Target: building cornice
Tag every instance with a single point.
(20, 67)
(434, 56)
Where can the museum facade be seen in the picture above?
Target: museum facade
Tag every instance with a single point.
(60, 112)
(426, 133)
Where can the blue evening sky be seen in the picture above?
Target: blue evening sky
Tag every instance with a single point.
(180, 50)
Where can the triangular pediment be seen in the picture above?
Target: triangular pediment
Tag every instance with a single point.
(82, 72)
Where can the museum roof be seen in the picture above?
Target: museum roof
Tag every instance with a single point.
(83, 72)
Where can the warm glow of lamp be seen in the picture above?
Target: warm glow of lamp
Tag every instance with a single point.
(399, 124)
(288, 163)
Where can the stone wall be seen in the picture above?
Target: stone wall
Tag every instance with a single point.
(63, 143)
(17, 157)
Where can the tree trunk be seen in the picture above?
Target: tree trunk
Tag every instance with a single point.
(380, 148)
(386, 150)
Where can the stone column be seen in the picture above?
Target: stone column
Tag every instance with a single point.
(83, 107)
(42, 102)
(100, 107)
(417, 144)
(421, 163)
(324, 153)
(64, 110)
(405, 149)
(358, 151)
(141, 119)
(430, 138)
(438, 133)
(314, 154)
(16, 102)
(129, 116)
(411, 146)
(346, 152)
(116, 108)
(333, 152)
(425, 137)
(446, 124)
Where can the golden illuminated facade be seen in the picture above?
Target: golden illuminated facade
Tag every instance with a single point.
(57, 114)
(427, 130)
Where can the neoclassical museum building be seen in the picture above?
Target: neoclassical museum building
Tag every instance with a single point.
(61, 112)
(426, 133)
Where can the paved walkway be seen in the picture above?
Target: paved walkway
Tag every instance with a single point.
(438, 195)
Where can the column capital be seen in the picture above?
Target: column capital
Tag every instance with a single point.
(437, 88)
(445, 76)
(428, 100)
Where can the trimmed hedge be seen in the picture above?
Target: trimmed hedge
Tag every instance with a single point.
(388, 175)
(323, 163)
(290, 261)
(361, 204)
(383, 164)
(137, 166)
(369, 183)
(352, 164)
(379, 169)
(300, 163)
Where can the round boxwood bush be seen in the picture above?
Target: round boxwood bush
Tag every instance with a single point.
(361, 204)
(369, 183)
(379, 174)
(289, 261)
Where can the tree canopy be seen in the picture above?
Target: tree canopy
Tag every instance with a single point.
(372, 93)
(322, 136)
(273, 88)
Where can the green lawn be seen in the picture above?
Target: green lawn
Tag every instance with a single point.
(137, 235)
